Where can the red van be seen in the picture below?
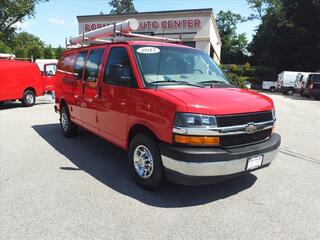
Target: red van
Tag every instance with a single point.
(168, 105)
(22, 80)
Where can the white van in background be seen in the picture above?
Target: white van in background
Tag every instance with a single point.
(286, 82)
(269, 85)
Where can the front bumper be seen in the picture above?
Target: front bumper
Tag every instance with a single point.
(315, 92)
(197, 166)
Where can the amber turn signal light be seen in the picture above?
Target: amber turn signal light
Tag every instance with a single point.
(197, 140)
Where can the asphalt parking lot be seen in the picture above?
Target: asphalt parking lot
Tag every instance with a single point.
(57, 188)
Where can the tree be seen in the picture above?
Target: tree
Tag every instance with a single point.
(262, 7)
(58, 52)
(35, 52)
(122, 6)
(4, 48)
(48, 52)
(25, 39)
(234, 46)
(12, 12)
(287, 38)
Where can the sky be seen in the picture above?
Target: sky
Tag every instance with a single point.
(56, 20)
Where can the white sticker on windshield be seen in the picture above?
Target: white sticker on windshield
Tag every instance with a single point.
(148, 50)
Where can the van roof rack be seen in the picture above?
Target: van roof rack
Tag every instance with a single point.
(118, 32)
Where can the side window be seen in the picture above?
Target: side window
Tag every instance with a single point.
(119, 56)
(78, 68)
(93, 64)
(66, 63)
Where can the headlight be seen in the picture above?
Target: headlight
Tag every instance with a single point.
(194, 120)
(274, 113)
(190, 120)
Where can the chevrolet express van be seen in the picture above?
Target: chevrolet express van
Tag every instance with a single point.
(168, 105)
(22, 80)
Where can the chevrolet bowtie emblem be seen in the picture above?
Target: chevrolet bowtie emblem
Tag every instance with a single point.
(251, 128)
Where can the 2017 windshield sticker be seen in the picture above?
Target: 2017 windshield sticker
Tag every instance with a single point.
(148, 50)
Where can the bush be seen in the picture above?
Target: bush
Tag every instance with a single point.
(248, 70)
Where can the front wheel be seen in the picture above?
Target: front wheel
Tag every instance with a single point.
(28, 99)
(145, 162)
(69, 129)
(290, 92)
(316, 97)
(273, 89)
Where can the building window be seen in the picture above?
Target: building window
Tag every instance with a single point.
(190, 44)
(211, 51)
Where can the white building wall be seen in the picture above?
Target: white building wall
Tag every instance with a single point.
(197, 26)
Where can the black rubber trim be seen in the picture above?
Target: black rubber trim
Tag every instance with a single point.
(182, 179)
(204, 154)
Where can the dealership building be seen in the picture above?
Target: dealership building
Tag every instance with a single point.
(196, 27)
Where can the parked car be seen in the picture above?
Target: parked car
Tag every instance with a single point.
(22, 80)
(312, 87)
(170, 106)
(269, 85)
(286, 82)
(247, 84)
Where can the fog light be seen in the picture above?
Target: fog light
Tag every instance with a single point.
(197, 140)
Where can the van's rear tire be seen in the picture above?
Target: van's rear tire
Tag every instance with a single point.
(28, 99)
(145, 162)
(68, 128)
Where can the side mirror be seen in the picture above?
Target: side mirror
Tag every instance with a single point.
(49, 70)
(119, 74)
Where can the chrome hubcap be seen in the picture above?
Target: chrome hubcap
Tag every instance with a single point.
(143, 162)
(64, 121)
(29, 98)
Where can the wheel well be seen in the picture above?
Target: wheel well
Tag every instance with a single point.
(137, 129)
(30, 89)
(62, 103)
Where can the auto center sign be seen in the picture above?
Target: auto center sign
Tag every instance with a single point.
(154, 25)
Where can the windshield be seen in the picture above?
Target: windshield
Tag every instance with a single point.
(315, 77)
(165, 65)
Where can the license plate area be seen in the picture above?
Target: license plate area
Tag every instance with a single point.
(254, 162)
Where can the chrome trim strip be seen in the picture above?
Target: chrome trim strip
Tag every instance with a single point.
(208, 169)
(223, 131)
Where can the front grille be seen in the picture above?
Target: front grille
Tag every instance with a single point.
(241, 139)
(242, 119)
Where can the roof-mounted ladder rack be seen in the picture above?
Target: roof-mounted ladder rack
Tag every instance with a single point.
(118, 32)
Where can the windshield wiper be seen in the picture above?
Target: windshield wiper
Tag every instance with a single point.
(177, 82)
(212, 82)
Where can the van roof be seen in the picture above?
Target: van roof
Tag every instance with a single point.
(17, 63)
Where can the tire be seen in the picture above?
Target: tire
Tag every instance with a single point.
(273, 89)
(148, 171)
(290, 92)
(68, 128)
(28, 99)
(316, 97)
